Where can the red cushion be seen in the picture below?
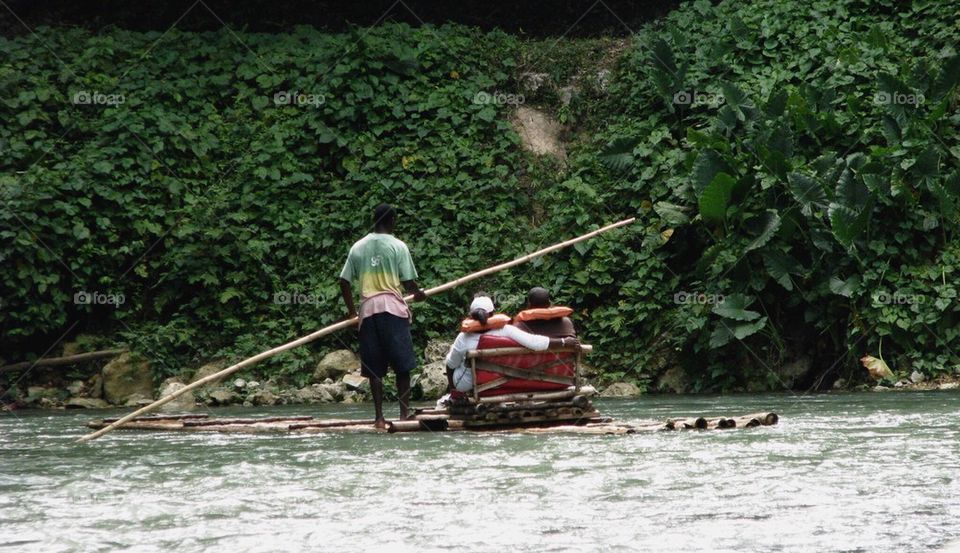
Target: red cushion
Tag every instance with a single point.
(522, 361)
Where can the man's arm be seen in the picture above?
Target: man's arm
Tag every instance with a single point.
(347, 292)
(411, 287)
(537, 342)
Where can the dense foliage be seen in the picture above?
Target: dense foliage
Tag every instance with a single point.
(800, 161)
(214, 181)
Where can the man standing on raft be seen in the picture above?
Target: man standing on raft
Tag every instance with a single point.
(382, 264)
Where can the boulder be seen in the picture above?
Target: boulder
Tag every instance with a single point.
(917, 377)
(674, 380)
(791, 373)
(335, 389)
(839, 384)
(264, 397)
(80, 344)
(603, 79)
(432, 380)
(317, 393)
(355, 382)
(568, 93)
(531, 82)
(335, 365)
(137, 400)
(43, 391)
(76, 388)
(95, 386)
(209, 369)
(223, 396)
(436, 350)
(539, 133)
(184, 402)
(879, 388)
(127, 376)
(45, 397)
(877, 368)
(949, 386)
(352, 397)
(620, 389)
(86, 403)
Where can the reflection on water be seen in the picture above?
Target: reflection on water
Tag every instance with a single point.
(867, 472)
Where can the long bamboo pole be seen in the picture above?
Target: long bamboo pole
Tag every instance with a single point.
(342, 325)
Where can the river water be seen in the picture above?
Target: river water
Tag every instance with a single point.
(841, 472)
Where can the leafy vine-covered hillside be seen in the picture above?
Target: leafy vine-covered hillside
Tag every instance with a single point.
(793, 166)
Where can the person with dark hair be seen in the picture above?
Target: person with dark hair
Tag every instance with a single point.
(384, 268)
(543, 318)
(482, 320)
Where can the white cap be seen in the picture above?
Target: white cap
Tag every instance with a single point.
(482, 302)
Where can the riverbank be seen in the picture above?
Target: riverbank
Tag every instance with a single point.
(127, 380)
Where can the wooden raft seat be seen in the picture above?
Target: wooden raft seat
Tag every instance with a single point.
(501, 367)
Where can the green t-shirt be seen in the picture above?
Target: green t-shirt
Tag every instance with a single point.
(380, 262)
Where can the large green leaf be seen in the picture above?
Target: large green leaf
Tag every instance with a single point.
(807, 191)
(767, 225)
(845, 288)
(671, 214)
(705, 168)
(618, 154)
(850, 211)
(948, 79)
(726, 332)
(734, 306)
(781, 266)
(715, 198)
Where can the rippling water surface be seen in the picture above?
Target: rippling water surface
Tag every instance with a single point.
(866, 472)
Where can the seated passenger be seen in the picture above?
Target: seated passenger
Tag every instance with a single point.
(540, 317)
(482, 321)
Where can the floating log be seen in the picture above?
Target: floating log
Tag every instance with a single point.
(330, 424)
(698, 423)
(170, 417)
(722, 423)
(65, 360)
(433, 425)
(209, 422)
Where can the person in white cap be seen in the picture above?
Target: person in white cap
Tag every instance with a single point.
(459, 375)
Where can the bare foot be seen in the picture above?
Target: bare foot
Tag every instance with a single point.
(380, 424)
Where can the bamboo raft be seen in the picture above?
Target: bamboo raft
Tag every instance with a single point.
(565, 406)
(507, 418)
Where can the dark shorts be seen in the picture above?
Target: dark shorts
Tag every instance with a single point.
(385, 340)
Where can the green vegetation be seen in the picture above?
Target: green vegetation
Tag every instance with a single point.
(797, 159)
